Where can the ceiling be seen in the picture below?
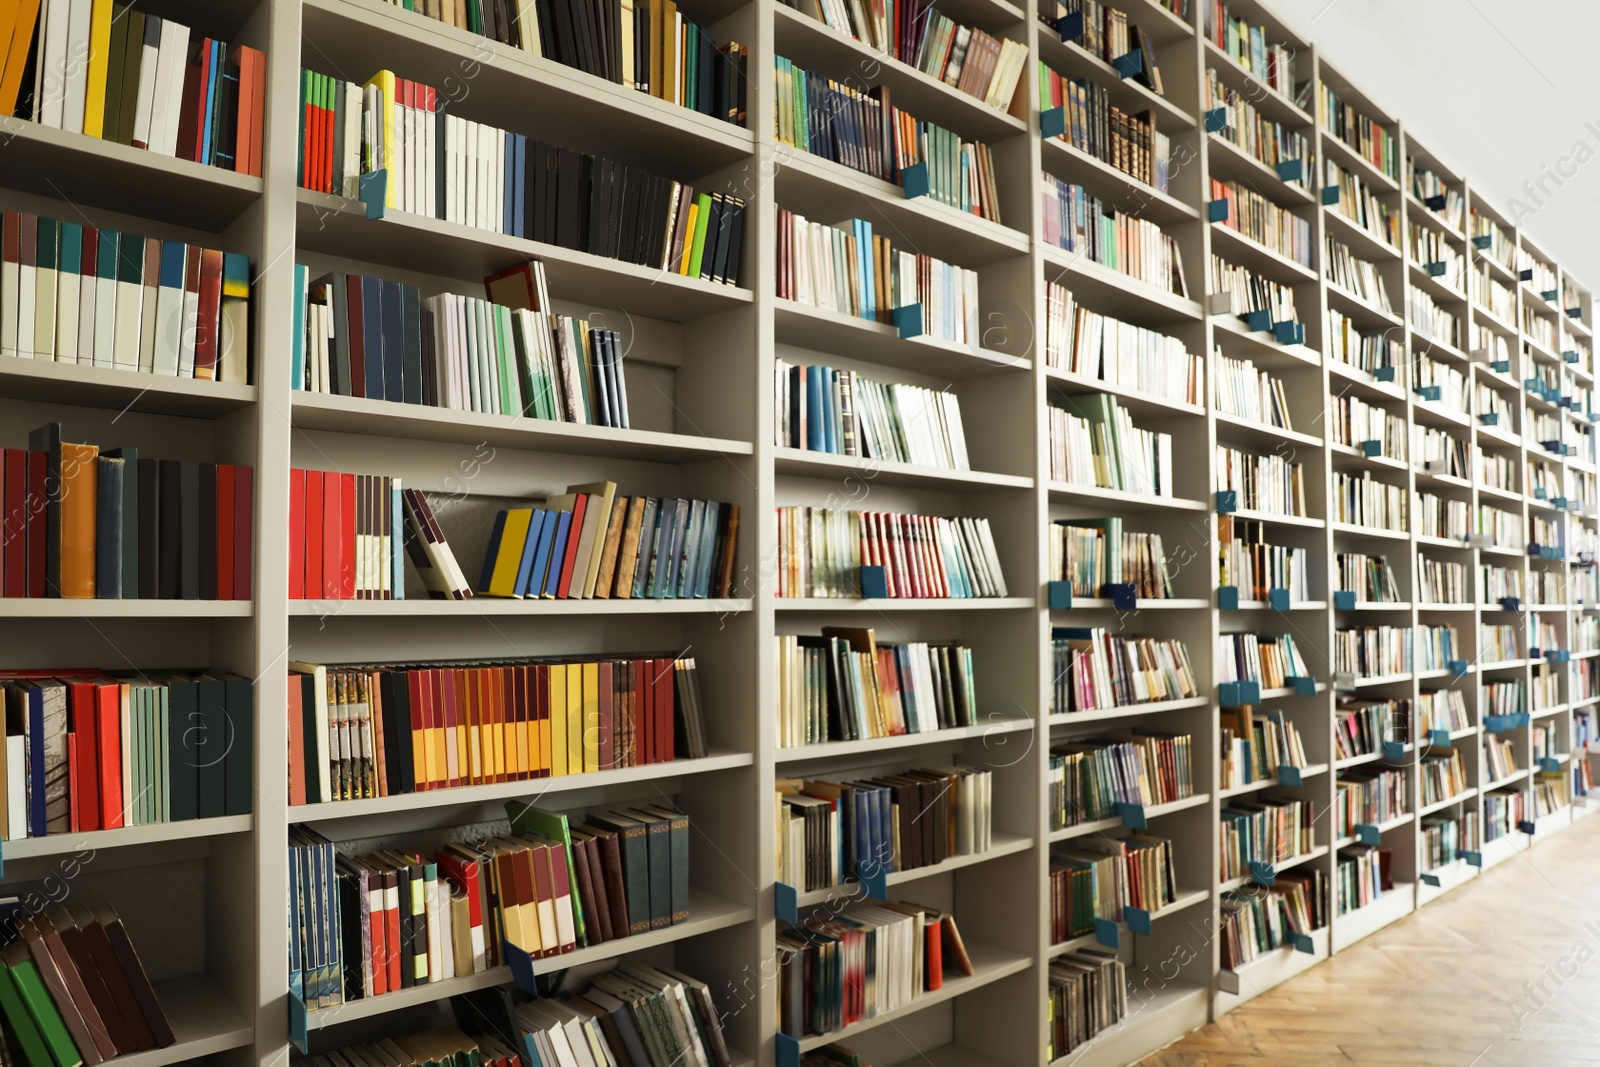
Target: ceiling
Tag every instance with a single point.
(1503, 93)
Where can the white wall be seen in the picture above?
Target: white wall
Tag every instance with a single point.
(1502, 92)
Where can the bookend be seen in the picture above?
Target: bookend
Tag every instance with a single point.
(914, 180)
(1394, 750)
(908, 320)
(1228, 982)
(1473, 858)
(1289, 332)
(1383, 374)
(1263, 873)
(1527, 826)
(1303, 685)
(874, 582)
(1138, 920)
(299, 1024)
(1216, 120)
(1330, 195)
(1058, 595)
(1053, 123)
(1549, 763)
(1218, 303)
(1344, 599)
(1510, 603)
(1435, 203)
(1132, 815)
(1368, 834)
(1435, 269)
(521, 964)
(1291, 170)
(1238, 694)
(1258, 321)
(1070, 27)
(1289, 776)
(1302, 943)
(1438, 737)
(1372, 449)
(1124, 596)
(874, 879)
(1457, 666)
(1107, 933)
(1227, 598)
(1430, 879)
(1483, 241)
(1227, 501)
(1129, 63)
(374, 192)
(1429, 392)
(1216, 211)
(788, 1051)
(786, 903)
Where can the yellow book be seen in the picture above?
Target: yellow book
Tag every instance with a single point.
(94, 104)
(497, 732)
(510, 918)
(508, 560)
(591, 717)
(577, 724)
(383, 81)
(472, 756)
(688, 237)
(527, 759)
(669, 51)
(558, 719)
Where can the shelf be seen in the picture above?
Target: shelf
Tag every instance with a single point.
(811, 44)
(707, 912)
(1380, 605)
(1450, 607)
(500, 607)
(1253, 515)
(1510, 779)
(1151, 812)
(831, 332)
(1348, 457)
(881, 604)
(470, 795)
(1236, 339)
(413, 422)
(1363, 382)
(1245, 431)
(1088, 603)
(1266, 100)
(804, 464)
(57, 608)
(1383, 827)
(1434, 287)
(1418, 213)
(86, 172)
(1262, 605)
(1115, 293)
(1309, 771)
(1352, 530)
(1393, 905)
(825, 191)
(1429, 809)
(333, 225)
(1362, 311)
(1126, 711)
(1087, 495)
(26, 848)
(125, 390)
(1235, 247)
(1362, 242)
(509, 87)
(1068, 57)
(1004, 845)
(1135, 400)
(1230, 162)
(989, 964)
(1379, 182)
(992, 726)
(1185, 898)
(203, 1021)
(1288, 864)
(1117, 188)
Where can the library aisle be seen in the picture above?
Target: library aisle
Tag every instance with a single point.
(1456, 984)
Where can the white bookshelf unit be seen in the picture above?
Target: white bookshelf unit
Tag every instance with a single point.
(206, 902)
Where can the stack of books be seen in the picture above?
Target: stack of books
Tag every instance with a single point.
(821, 552)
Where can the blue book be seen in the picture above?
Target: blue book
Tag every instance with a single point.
(209, 95)
(666, 569)
(525, 586)
(701, 586)
(689, 568)
(35, 726)
(649, 538)
(394, 344)
(302, 286)
(492, 552)
(373, 335)
(519, 215)
(558, 551)
(550, 522)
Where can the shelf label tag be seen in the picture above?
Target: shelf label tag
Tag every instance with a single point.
(1263, 873)
(908, 320)
(1574, 313)
(1435, 269)
(786, 903)
(1228, 982)
(1218, 303)
(1570, 356)
(788, 1051)
(1344, 679)
(1430, 392)
(1058, 595)
(874, 582)
(1303, 943)
(1129, 63)
(1291, 170)
(1457, 666)
(1436, 466)
(1439, 737)
(1394, 750)
(1430, 879)
(1480, 540)
(1483, 241)
(1474, 859)
(1124, 596)
(1303, 685)
(1216, 120)
(521, 965)
(1227, 598)
(1489, 418)
(1525, 275)
(1053, 123)
(1107, 933)
(1344, 599)
(1330, 194)
(1138, 920)
(1497, 724)
(1435, 203)
(1368, 834)
(1132, 815)
(1289, 776)
(1511, 603)
(1238, 694)
(914, 180)
(1549, 763)
(1289, 332)
(1217, 211)
(1070, 27)
(1527, 826)
(1258, 321)
(1371, 449)
(1500, 366)
(1227, 501)
(1383, 374)
(299, 1023)
(874, 879)
(374, 191)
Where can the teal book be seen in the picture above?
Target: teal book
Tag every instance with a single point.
(526, 819)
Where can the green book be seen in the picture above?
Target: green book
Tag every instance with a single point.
(20, 1025)
(31, 990)
(133, 59)
(526, 819)
(702, 203)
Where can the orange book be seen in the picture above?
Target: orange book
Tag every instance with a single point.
(79, 513)
(14, 54)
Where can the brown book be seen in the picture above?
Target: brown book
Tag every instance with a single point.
(144, 994)
(105, 964)
(67, 990)
(77, 947)
(730, 543)
(79, 513)
(955, 950)
(610, 852)
(630, 548)
(598, 905)
(597, 932)
(612, 546)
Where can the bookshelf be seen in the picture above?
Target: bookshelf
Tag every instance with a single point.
(701, 369)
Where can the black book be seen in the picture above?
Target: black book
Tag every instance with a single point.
(713, 237)
(350, 882)
(339, 348)
(316, 771)
(613, 16)
(411, 331)
(47, 439)
(565, 39)
(724, 218)
(187, 528)
(148, 569)
(108, 527)
(430, 368)
(373, 336)
(169, 568)
(583, 33)
(655, 234)
(130, 521)
(396, 693)
(239, 741)
(394, 344)
(586, 168)
(206, 542)
(599, 210)
(211, 748)
(569, 191)
(628, 183)
(547, 27)
(541, 199)
(705, 100)
(735, 241)
(183, 778)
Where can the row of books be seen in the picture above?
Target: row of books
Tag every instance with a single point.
(1365, 350)
(1357, 276)
(1253, 746)
(1090, 776)
(1270, 483)
(850, 269)
(73, 990)
(368, 337)
(1499, 757)
(1095, 126)
(844, 413)
(868, 960)
(1443, 774)
(442, 166)
(1437, 647)
(1497, 643)
(82, 523)
(1268, 62)
(1425, 185)
(821, 553)
(1550, 794)
(105, 70)
(1264, 222)
(1088, 996)
(1441, 709)
(1248, 291)
(72, 293)
(1094, 443)
(1264, 139)
(1259, 922)
(1086, 344)
(1442, 582)
(1243, 392)
(1094, 671)
(1362, 500)
(1371, 140)
(829, 830)
(1361, 726)
(1096, 877)
(1437, 516)
(1369, 577)
(85, 751)
(1545, 687)
(1353, 421)
(1498, 300)
(1438, 451)
(1507, 697)
(1503, 527)
(375, 731)
(919, 35)
(1093, 553)
(1432, 321)
(844, 685)
(865, 131)
(1361, 876)
(1432, 250)
(1360, 204)
(361, 926)
(1269, 830)
(1076, 220)
(1369, 797)
(1373, 651)
(1444, 837)
(1268, 659)
(1503, 809)
(1248, 563)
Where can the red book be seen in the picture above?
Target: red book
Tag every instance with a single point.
(258, 108)
(225, 531)
(357, 385)
(417, 688)
(244, 531)
(15, 528)
(560, 885)
(334, 536)
(191, 117)
(539, 729)
(245, 112)
(34, 498)
(297, 742)
(347, 540)
(208, 322)
(83, 764)
(314, 540)
(74, 802)
(579, 504)
(934, 965)
(297, 534)
(663, 681)
(644, 702)
(108, 716)
(372, 886)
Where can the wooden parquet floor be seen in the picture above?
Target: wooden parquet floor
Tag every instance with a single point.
(1444, 986)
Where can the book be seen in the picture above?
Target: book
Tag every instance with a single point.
(824, 550)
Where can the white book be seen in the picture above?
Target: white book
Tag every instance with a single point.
(105, 307)
(10, 289)
(430, 163)
(447, 944)
(191, 311)
(168, 339)
(44, 311)
(88, 290)
(147, 82)
(169, 79)
(352, 139)
(68, 289)
(406, 120)
(430, 893)
(469, 215)
(16, 788)
(125, 714)
(75, 71)
(49, 91)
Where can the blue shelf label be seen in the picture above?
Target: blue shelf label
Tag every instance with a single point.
(1291, 170)
(1278, 599)
(1527, 827)
(1227, 598)
(1258, 321)
(788, 1051)
(1238, 694)
(1303, 943)
(1570, 357)
(1107, 933)
(1500, 366)
(1497, 724)
(1303, 685)
(1435, 203)
(1330, 194)
(1457, 666)
(1289, 776)
(1371, 449)
(1574, 313)
(908, 320)
(1227, 501)
(1436, 269)
(1383, 374)
(1216, 120)
(1430, 879)
(1289, 332)
(1482, 242)
(1489, 418)
(1540, 492)
(1511, 603)
(1438, 737)
(786, 903)
(373, 190)
(1053, 122)
(521, 965)
(874, 582)
(1217, 211)
(1559, 655)
(1132, 815)
(1263, 873)
(914, 180)
(1124, 596)
(1473, 858)
(874, 879)
(1058, 595)
(1070, 27)
(1429, 392)
(1129, 63)
(1525, 275)
(1344, 599)
(1549, 763)
(1394, 750)
(1368, 834)
(299, 1023)
(1138, 920)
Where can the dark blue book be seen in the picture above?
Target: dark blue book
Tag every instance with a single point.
(492, 552)
(558, 549)
(525, 585)
(372, 335)
(411, 331)
(183, 749)
(108, 529)
(211, 747)
(394, 344)
(538, 565)
(238, 773)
